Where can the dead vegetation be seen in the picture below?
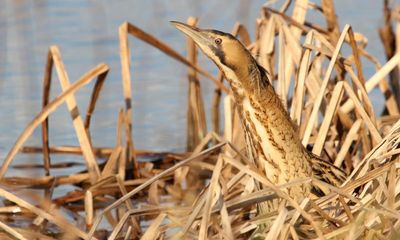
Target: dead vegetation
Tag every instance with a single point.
(210, 191)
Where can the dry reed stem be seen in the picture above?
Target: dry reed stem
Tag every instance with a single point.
(283, 63)
(241, 31)
(52, 106)
(327, 53)
(27, 233)
(267, 44)
(293, 233)
(291, 21)
(352, 135)
(204, 143)
(211, 191)
(149, 182)
(329, 113)
(11, 231)
(45, 123)
(358, 86)
(229, 115)
(117, 228)
(89, 198)
(199, 204)
(134, 227)
(356, 54)
(375, 79)
(390, 101)
(63, 223)
(268, 184)
(365, 178)
(80, 131)
(331, 19)
(93, 99)
(226, 224)
(377, 150)
(299, 15)
(389, 42)
(112, 163)
(391, 187)
(278, 223)
(374, 132)
(298, 97)
(318, 100)
(89, 208)
(292, 44)
(128, 233)
(125, 56)
(250, 199)
(153, 231)
(45, 181)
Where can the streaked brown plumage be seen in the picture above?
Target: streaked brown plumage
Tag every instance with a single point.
(272, 138)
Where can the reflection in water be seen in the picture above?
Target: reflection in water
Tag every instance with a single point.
(87, 34)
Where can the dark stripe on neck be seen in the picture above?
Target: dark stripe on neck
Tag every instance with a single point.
(264, 77)
(221, 55)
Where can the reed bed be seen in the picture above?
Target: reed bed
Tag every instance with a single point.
(210, 191)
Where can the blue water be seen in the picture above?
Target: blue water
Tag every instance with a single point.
(87, 34)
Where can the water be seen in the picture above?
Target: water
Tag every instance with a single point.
(87, 34)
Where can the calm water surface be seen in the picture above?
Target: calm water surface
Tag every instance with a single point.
(87, 34)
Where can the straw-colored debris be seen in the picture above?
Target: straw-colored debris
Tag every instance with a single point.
(211, 191)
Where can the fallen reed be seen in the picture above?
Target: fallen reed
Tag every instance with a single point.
(210, 191)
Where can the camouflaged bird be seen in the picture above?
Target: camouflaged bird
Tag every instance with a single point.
(272, 138)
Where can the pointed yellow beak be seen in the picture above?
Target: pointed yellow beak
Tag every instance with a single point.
(199, 36)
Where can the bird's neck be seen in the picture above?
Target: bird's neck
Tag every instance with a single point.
(271, 138)
(260, 105)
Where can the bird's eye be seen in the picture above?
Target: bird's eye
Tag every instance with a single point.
(218, 41)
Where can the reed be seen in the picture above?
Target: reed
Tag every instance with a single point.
(212, 190)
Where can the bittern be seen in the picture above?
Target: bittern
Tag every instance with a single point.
(273, 139)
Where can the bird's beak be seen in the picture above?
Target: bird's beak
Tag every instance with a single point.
(198, 36)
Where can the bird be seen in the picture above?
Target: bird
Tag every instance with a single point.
(272, 137)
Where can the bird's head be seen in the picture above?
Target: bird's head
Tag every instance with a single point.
(225, 50)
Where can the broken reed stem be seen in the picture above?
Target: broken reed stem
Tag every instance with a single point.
(50, 107)
(45, 123)
(77, 121)
(93, 100)
(125, 56)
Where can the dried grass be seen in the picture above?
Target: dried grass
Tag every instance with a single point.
(211, 191)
